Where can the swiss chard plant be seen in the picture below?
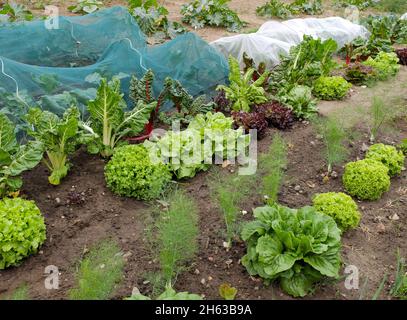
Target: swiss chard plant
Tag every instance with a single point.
(243, 92)
(15, 158)
(308, 61)
(185, 106)
(217, 13)
(295, 247)
(109, 122)
(59, 137)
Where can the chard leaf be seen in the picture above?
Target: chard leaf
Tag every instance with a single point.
(106, 112)
(7, 137)
(26, 158)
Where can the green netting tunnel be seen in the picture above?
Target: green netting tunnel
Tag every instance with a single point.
(42, 65)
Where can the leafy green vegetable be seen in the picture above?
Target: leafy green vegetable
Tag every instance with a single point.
(308, 61)
(152, 19)
(168, 294)
(15, 107)
(185, 106)
(300, 100)
(389, 156)
(59, 136)
(199, 13)
(243, 92)
(280, 9)
(366, 179)
(386, 65)
(296, 247)
(23, 230)
(181, 151)
(189, 151)
(331, 88)
(342, 208)
(360, 4)
(360, 74)
(388, 28)
(274, 8)
(311, 7)
(13, 12)
(109, 122)
(227, 292)
(131, 173)
(251, 121)
(86, 6)
(15, 158)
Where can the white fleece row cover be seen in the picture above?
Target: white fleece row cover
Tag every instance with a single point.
(404, 16)
(275, 38)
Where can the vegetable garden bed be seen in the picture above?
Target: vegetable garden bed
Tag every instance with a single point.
(289, 230)
(74, 227)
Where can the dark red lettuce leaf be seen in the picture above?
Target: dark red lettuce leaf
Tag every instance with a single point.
(276, 114)
(402, 54)
(251, 120)
(222, 103)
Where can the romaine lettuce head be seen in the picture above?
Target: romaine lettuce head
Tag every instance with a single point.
(296, 247)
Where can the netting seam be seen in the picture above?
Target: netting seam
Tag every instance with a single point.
(15, 81)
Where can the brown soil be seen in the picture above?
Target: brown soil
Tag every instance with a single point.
(72, 228)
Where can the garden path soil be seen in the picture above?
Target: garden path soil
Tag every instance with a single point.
(73, 228)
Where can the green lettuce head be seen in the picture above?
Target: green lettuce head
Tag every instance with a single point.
(22, 230)
(366, 179)
(295, 247)
(341, 207)
(389, 156)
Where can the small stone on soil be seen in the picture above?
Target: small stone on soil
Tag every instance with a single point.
(381, 228)
(394, 217)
